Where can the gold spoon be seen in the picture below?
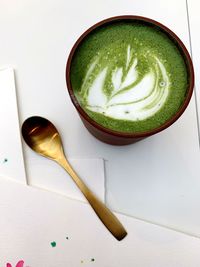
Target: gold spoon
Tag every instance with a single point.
(42, 136)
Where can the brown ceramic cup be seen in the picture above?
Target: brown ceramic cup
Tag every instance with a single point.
(121, 138)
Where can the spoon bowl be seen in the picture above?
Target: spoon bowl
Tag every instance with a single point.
(42, 136)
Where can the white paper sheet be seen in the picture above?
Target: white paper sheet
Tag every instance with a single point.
(48, 175)
(11, 157)
(40, 171)
(166, 190)
(37, 218)
(193, 8)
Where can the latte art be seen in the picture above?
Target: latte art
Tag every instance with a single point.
(128, 91)
(129, 76)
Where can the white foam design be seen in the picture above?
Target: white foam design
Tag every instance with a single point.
(128, 56)
(131, 99)
(96, 96)
(91, 68)
(137, 92)
(117, 79)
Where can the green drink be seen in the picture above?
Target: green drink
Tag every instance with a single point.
(129, 77)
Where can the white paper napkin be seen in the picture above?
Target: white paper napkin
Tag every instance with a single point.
(41, 172)
(11, 157)
(44, 229)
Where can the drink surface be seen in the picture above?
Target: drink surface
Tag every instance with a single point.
(129, 76)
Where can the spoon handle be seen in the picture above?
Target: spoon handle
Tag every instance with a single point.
(105, 215)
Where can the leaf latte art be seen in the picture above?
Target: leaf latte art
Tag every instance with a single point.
(132, 85)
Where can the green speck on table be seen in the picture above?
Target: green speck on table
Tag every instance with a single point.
(53, 244)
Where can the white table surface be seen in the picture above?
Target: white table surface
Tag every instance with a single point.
(37, 217)
(36, 37)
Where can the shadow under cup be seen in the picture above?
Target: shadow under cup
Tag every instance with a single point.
(113, 137)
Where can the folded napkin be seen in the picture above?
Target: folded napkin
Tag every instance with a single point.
(40, 172)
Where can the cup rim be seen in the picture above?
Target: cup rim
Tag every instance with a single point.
(172, 36)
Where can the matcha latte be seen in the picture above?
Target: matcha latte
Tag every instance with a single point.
(129, 76)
